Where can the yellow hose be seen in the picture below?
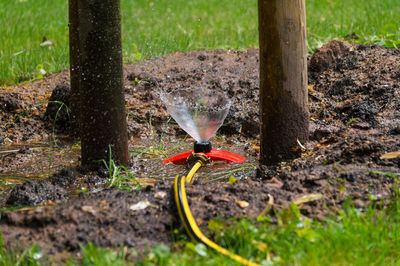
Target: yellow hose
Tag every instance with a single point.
(192, 171)
(190, 223)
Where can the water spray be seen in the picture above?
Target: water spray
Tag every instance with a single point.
(200, 112)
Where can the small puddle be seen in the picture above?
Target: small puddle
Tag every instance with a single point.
(35, 161)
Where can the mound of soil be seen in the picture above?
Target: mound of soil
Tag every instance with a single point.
(354, 101)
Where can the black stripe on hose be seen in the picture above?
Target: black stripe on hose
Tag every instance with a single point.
(186, 220)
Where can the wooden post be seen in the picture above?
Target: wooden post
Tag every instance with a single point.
(103, 118)
(283, 79)
(74, 64)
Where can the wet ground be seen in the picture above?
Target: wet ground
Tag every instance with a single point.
(354, 100)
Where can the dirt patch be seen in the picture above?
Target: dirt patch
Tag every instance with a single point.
(34, 193)
(354, 100)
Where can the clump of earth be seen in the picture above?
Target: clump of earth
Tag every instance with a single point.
(354, 139)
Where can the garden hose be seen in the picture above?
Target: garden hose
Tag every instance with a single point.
(186, 216)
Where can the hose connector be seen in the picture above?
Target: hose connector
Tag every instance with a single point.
(195, 157)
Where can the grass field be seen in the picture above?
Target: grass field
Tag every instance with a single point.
(153, 28)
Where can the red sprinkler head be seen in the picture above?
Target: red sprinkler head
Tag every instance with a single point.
(205, 148)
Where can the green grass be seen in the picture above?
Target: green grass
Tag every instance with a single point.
(24, 24)
(373, 21)
(119, 176)
(154, 28)
(352, 237)
(30, 256)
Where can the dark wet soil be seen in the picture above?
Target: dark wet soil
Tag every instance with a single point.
(354, 100)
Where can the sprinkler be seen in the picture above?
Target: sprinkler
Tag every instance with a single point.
(200, 112)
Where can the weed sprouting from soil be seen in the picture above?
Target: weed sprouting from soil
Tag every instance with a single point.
(119, 176)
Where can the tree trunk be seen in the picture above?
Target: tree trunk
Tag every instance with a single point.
(103, 119)
(283, 79)
(74, 64)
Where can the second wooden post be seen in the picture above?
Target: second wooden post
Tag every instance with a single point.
(283, 79)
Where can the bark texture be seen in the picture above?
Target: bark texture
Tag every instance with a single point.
(283, 79)
(103, 119)
(74, 64)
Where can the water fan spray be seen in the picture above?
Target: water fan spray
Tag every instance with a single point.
(200, 112)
